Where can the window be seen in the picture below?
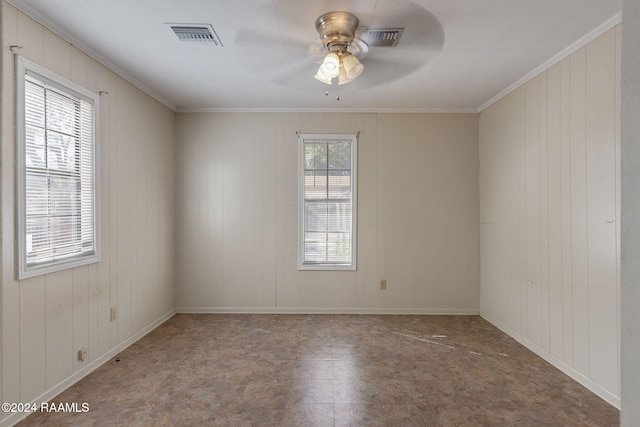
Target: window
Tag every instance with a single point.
(327, 202)
(57, 191)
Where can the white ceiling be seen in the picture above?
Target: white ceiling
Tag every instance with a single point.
(454, 55)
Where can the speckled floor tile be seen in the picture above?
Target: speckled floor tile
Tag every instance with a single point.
(328, 370)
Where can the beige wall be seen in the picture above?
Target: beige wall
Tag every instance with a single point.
(46, 319)
(630, 242)
(417, 214)
(549, 212)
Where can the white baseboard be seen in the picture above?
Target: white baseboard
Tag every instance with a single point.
(49, 394)
(587, 382)
(320, 310)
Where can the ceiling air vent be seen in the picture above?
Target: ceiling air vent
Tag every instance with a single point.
(381, 37)
(196, 33)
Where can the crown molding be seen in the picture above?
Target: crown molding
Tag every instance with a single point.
(331, 110)
(79, 44)
(582, 41)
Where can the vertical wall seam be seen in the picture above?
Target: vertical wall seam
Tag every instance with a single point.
(586, 207)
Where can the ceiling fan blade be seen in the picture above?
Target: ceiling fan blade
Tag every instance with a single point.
(381, 70)
(422, 30)
(421, 40)
(255, 39)
(297, 75)
(316, 52)
(269, 55)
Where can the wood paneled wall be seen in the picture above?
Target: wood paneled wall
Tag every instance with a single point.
(549, 212)
(417, 214)
(47, 319)
(630, 229)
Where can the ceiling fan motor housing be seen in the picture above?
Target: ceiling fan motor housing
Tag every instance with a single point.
(337, 30)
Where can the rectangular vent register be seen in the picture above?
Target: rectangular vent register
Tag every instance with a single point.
(196, 33)
(380, 37)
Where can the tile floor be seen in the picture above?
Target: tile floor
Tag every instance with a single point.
(329, 370)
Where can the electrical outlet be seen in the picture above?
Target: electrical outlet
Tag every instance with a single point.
(82, 354)
(114, 314)
(383, 284)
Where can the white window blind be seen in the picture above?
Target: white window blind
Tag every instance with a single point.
(327, 208)
(57, 167)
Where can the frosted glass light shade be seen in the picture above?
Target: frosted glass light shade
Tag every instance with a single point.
(331, 65)
(342, 77)
(352, 67)
(321, 77)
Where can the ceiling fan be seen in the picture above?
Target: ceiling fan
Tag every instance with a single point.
(339, 51)
(395, 42)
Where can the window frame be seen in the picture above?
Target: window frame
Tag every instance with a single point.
(353, 139)
(24, 66)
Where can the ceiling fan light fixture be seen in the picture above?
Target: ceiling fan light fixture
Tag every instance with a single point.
(337, 34)
(331, 65)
